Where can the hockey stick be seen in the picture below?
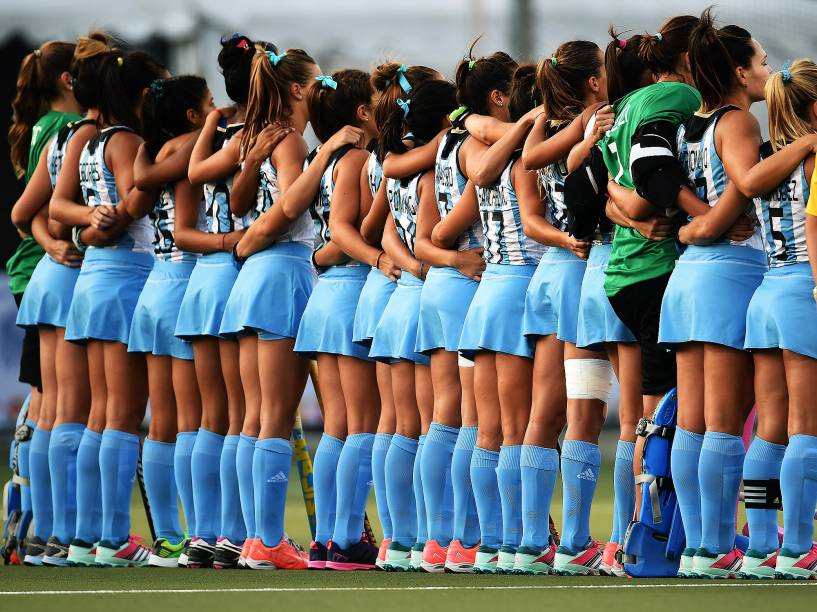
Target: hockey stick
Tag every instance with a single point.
(140, 478)
(304, 462)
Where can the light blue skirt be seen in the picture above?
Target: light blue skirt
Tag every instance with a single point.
(271, 292)
(327, 322)
(782, 312)
(208, 288)
(396, 334)
(373, 299)
(495, 317)
(708, 295)
(153, 329)
(598, 322)
(552, 299)
(106, 293)
(444, 303)
(47, 298)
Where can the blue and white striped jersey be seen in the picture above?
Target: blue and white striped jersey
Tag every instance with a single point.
(301, 230)
(217, 194)
(404, 203)
(374, 171)
(98, 187)
(449, 184)
(698, 155)
(782, 214)
(504, 241)
(163, 218)
(58, 146)
(552, 178)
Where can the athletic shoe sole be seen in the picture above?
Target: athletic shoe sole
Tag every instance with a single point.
(316, 565)
(348, 567)
(432, 568)
(55, 561)
(794, 573)
(259, 565)
(157, 561)
(459, 568)
(33, 560)
(575, 570)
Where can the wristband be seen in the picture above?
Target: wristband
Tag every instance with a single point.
(318, 268)
(75, 238)
(223, 236)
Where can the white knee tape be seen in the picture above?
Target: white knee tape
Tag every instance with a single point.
(588, 379)
(464, 362)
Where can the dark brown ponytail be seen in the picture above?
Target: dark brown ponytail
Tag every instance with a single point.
(562, 77)
(662, 52)
(626, 72)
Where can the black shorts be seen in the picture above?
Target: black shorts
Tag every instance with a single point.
(30, 355)
(639, 308)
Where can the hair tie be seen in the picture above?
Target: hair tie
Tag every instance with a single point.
(119, 61)
(785, 72)
(157, 88)
(404, 104)
(471, 63)
(659, 37)
(226, 40)
(401, 78)
(622, 44)
(37, 52)
(242, 43)
(554, 61)
(274, 58)
(326, 81)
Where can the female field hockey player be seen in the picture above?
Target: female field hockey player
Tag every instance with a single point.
(227, 407)
(421, 116)
(43, 104)
(391, 81)
(703, 313)
(119, 258)
(573, 84)
(46, 304)
(778, 326)
(346, 377)
(173, 109)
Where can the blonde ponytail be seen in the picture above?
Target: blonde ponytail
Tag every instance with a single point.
(789, 93)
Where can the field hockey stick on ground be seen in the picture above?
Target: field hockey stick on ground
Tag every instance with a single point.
(304, 462)
(313, 374)
(140, 478)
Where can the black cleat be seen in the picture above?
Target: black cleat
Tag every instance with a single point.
(56, 553)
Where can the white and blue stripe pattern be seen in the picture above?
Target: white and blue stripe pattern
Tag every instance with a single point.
(449, 185)
(217, 193)
(404, 202)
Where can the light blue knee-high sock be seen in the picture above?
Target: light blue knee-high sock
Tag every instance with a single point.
(382, 441)
(509, 480)
(436, 474)
(232, 521)
(624, 490)
(720, 471)
(353, 485)
(270, 472)
(798, 483)
(400, 490)
(118, 456)
(419, 498)
(466, 521)
(243, 466)
(62, 462)
(89, 488)
(160, 486)
(324, 479)
(539, 467)
(684, 459)
(41, 483)
(184, 477)
(580, 472)
(762, 462)
(23, 454)
(205, 465)
(486, 496)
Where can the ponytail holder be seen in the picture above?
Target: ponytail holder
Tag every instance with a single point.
(622, 44)
(326, 81)
(554, 61)
(37, 53)
(157, 88)
(275, 58)
(471, 64)
(226, 40)
(659, 37)
(402, 80)
(119, 61)
(404, 104)
(241, 44)
(785, 72)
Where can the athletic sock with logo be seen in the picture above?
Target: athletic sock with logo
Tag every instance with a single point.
(539, 467)
(243, 466)
(270, 472)
(89, 488)
(685, 456)
(624, 490)
(580, 472)
(509, 480)
(486, 495)
(324, 478)
(798, 482)
(437, 484)
(354, 483)
(400, 489)
(719, 474)
(205, 467)
(419, 498)
(160, 486)
(382, 441)
(466, 520)
(184, 478)
(762, 464)
(232, 521)
(41, 483)
(62, 462)
(118, 456)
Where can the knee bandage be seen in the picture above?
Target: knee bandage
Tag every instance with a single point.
(464, 362)
(588, 379)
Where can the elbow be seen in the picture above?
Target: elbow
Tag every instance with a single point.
(482, 178)
(195, 176)
(18, 218)
(751, 188)
(388, 168)
(440, 240)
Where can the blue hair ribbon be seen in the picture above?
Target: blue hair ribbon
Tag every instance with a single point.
(326, 81)
(275, 58)
(404, 104)
(402, 80)
(785, 72)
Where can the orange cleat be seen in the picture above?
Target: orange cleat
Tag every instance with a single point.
(381, 554)
(286, 555)
(460, 560)
(434, 557)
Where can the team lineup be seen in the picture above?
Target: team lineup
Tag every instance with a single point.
(461, 267)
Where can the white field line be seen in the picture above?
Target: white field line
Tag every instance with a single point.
(517, 587)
